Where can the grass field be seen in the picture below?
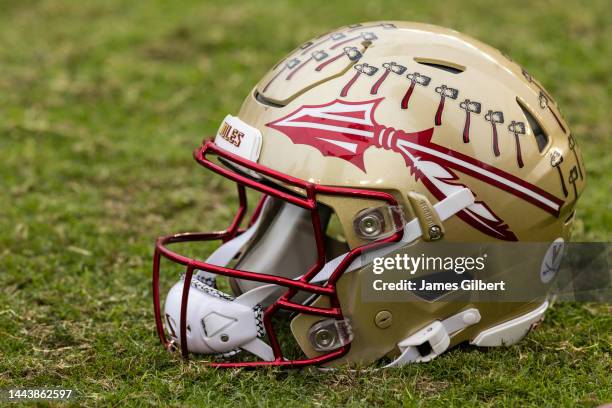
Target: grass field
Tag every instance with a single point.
(101, 104)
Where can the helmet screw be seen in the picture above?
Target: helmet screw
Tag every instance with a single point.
(224, 338)
(324, 338)
(383, 319)
(435, 232)
(370, 225)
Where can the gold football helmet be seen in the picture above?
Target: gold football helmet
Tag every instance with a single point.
(376, 141)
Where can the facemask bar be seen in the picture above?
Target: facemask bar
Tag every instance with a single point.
(303, 283)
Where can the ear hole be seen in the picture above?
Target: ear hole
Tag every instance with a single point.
(538, 132)
(263, 100)
(443, 65)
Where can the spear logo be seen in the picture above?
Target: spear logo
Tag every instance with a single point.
(347, 129)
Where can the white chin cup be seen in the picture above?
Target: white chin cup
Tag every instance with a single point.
(216, 323)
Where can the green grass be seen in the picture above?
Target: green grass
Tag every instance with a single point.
(101, 104)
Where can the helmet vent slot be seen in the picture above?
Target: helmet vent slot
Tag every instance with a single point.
(262, 99)
(538, 132)
(443, 65)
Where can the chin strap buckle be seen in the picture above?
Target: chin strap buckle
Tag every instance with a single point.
(433, 339)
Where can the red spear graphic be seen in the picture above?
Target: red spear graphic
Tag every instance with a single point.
(495, 117)
(415, 78)
(469, 107)
(445, 92)
(389, 67)
(347, 129)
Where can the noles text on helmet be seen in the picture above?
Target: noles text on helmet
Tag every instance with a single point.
(407, 135)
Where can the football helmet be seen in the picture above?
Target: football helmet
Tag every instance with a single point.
(375, 140)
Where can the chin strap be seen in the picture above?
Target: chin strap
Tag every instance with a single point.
(446, 208)
(219, 324)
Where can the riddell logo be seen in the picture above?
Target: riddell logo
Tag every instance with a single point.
(232, 135)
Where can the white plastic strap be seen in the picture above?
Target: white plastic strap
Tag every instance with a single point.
(260, 348)
(226, 252)
(437, 334)
(446, 208)
(510, 332)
